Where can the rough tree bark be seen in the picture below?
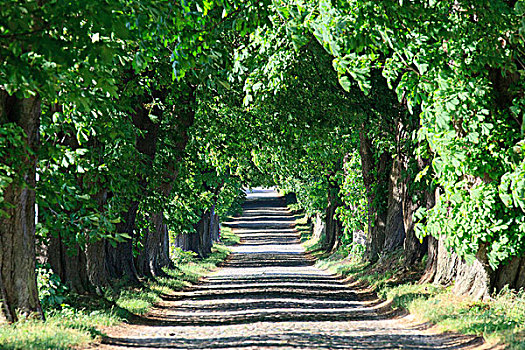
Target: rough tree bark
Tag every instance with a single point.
(214, 225)
(511, 274)
(82, 269)
(374, 178)
(148, 260)
(334, 227)
(18, 288)
(206, 241)
(69, 263)
(442, 266)
(414, 249)
(146, 144)
(414, 198)
(201, 240)
(96, 265)
(119, 258)
(432, 256)
(164, 257)
(319, 227)
(446, 267)
(96, 260)
(182, 241)
(477, 279)
(394, 227)
(206, 233)
(207, 228)
(192, 240)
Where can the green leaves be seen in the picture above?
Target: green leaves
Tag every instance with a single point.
(512, 187)
(345, 83)
(439, 63)
(282, 91)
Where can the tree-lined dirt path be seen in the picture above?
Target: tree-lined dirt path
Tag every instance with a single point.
(270, 296)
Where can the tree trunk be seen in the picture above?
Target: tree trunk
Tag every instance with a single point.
(120, 262)
(319, 228)
(511, 274)
(432, 258)
(156, 247)
(96, 265)
(446, 265)
(334, 227)
(469, 278)
(476, 278)
(204, 243)
(200, 241)
(182, 241)
(164, 258)
(18, 287)
(441, 265)
(214, 226)
(444, 268)
(69, 264)
(375, 192)
(96, 259)
(148, 260)
(412, 200)
(192, 240)
(155, 254)
(414, 249)
(120, 259)
(395, 228)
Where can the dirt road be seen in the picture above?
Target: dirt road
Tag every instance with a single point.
(270, 296)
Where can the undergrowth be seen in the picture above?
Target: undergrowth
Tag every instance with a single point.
(78, 320)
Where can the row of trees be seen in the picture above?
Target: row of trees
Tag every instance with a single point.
(106, 126)
(133, 126)
(433, 109)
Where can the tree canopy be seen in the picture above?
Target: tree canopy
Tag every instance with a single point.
(130, 127)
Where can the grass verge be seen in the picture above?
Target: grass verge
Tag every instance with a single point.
(500, 321)
(77, 322)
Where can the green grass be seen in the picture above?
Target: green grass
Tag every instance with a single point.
(304, 227)
(500, 320)
(228, 238)
(33, 335)
(79, 321)
(62, 329)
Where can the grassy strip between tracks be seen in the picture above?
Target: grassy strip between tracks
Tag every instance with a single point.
(501, 321)
(77, 322)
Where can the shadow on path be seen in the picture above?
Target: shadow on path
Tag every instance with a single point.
(269, 295)
(302, 341)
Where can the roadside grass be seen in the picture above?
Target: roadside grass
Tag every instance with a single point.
(79, 320)
(72, 325)
(500, 321)
(228, 237)
(304, 227)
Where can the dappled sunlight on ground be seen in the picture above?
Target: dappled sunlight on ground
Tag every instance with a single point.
(270, 295)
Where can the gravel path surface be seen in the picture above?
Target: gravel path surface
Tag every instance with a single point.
(270, 296)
